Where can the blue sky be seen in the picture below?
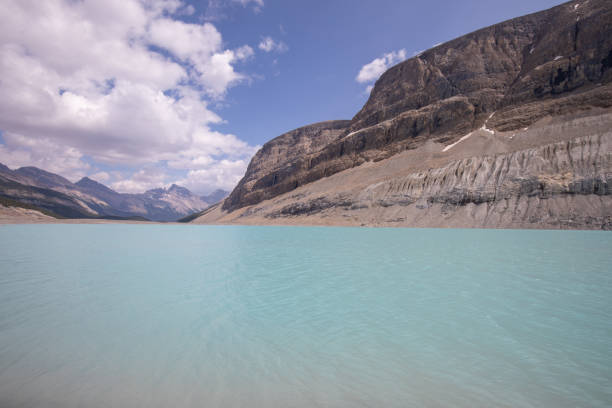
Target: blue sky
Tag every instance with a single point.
(143, 93)
(329, 41)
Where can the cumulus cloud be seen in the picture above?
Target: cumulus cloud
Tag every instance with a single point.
(225, 174)
(245, 3)
(257, 4)
(243, 53)
(374, 69)
(216, 9)
(145, 179)
(100, 176)
(119, 82)
(268, 44)
(20, 150)
(199, 46)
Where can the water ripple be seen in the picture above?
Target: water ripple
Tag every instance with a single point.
(157, 316)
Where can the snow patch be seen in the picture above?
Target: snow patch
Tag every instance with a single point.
(484, 126)
(378, 125)
(450, 146)
(354, 133)
(486, 129)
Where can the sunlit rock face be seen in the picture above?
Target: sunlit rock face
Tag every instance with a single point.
(501, 79)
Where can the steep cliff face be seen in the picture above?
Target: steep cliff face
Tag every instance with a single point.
(506, 77)
(274, 168)
(526, 59)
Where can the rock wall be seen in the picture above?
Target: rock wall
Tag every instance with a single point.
(274, 168)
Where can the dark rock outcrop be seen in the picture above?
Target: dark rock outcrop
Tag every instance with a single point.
(509, 75)
(278, 166)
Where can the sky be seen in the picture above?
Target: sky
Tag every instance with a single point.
(139, 94)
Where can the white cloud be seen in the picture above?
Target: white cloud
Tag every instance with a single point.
(268, 44)
(373, 70)
(186, 41)
(257, 4)
(208, 174)
(85, 81)
(245, 3)
(187, 10)
(100, 176)
(44, 153)
(159, 7)
(199, 45)
(215, 9)
(244, 52)
(145, 179)
(225, 174)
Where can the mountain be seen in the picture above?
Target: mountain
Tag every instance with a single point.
(49, 201)
(42, 178)
(12, 209)
(99, 190)
(215, 196)
(278, 166)
(170, 204)
(88, 198)
(160, 204)
(508, 126)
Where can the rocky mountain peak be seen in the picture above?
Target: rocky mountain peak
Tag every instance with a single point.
(176, 189)
(43, 178)
(88, 183)
(505, 77)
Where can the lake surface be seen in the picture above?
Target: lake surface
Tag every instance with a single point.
(207, 316)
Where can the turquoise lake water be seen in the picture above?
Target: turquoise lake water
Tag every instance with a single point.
(205, 316)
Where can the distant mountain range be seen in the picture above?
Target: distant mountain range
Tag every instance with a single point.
(87, 198)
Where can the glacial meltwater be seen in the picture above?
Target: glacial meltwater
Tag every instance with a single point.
(213, 316)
